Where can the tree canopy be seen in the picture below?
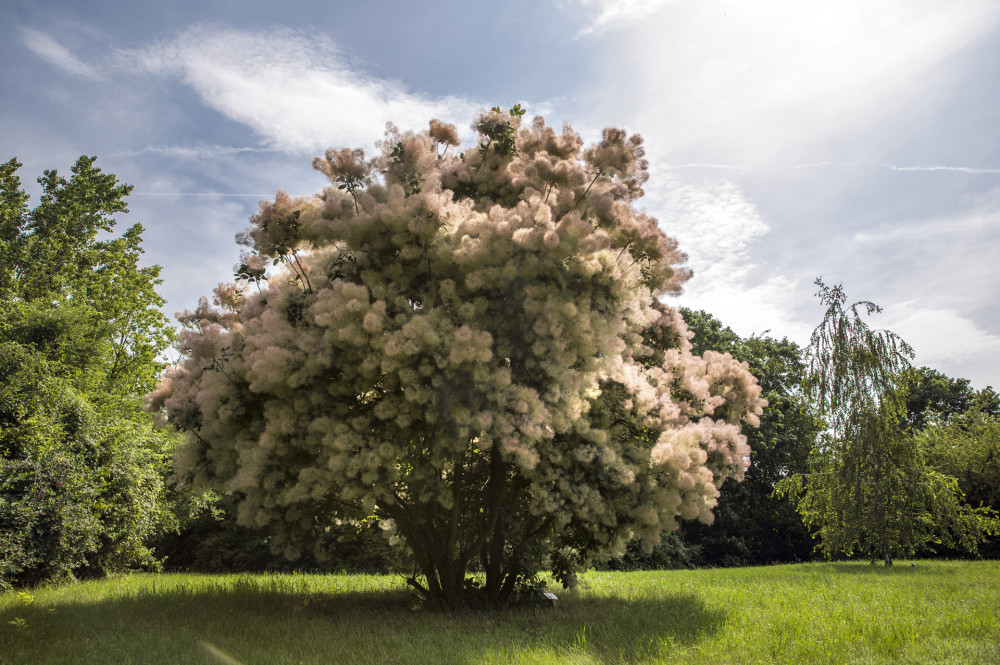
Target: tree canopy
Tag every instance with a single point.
(870, 489)
(469, 347)
(81, 470)
(62, 255)
(933, 397)
(752, 525)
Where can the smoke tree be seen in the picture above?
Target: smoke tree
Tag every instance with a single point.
(468, 346)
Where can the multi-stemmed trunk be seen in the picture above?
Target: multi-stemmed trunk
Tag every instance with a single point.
(483, 526)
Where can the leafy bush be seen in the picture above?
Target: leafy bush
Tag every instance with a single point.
(78, 491)
(81, 469)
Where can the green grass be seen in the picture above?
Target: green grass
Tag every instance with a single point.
(934, 612)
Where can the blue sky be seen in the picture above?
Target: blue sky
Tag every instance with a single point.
(789, 139)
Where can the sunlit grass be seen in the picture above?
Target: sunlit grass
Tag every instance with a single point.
(934, 612)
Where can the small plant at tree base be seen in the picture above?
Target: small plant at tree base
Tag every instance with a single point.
(482, 362)
(20, 625)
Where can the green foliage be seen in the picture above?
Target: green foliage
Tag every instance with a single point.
(710, 334)
(13, 218)
(853, 370)
(870, 490)
(211, 540)
(932, 397)
(673, 551)
(79, 492)
(60, 255)
(499, 133)
(967, 448)
(752, 525)
(46, 434)
(81, 470)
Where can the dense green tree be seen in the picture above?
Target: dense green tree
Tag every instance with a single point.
(79, 491)
(870, 490)
(966, 446)
(456, 344)
(13, 217)
(81, 469)
(63, 253)
(752, 525)
(933, 396)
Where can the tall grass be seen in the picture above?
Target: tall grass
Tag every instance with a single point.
(934, 612)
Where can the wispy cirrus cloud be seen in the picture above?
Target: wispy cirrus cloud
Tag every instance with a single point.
(56, 54)
(955, 169)
(969, 225)
(293, 88)
(960, 249)
(975, 170)
(208, 194)
(202, 151)
(705, 165)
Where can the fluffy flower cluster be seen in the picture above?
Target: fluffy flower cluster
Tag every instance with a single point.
(458, 333)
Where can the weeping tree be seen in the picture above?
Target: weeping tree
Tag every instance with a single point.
(870, 490)
(468, 347)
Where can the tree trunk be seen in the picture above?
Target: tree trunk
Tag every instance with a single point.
(436, 544)
(494, 564)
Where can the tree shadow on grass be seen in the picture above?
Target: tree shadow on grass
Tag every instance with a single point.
(611, 630)
(257, 624)
(601, 629)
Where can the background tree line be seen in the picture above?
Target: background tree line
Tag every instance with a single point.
(85, 476)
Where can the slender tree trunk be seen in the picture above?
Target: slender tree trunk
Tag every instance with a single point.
(494, 564)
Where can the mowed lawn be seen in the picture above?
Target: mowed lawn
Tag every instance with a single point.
(830, 613)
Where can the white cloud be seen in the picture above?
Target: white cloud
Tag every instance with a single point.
(735, 82)
(973, 170)
(716, 225)
(617, 13)
(969, 224)
(191, 238)
(705, 165)
(56, 54)
(944, 338)
(293, 88)
(948, 259)
(757, 88)
(210, 194)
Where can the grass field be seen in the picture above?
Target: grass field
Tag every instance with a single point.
(933, 612)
